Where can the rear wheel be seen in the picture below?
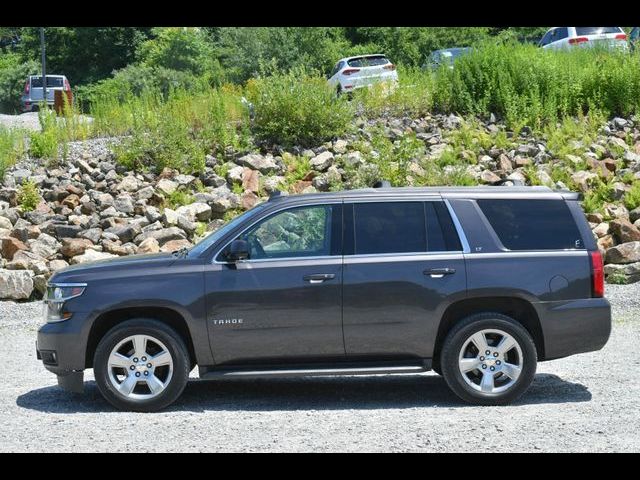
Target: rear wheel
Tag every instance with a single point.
(488, 359)
(141, 365)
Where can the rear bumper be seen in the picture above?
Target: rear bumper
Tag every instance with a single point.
(574, 326)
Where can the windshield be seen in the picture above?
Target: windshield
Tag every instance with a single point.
(212, 238)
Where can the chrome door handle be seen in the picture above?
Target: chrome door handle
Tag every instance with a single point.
(318, 277)
(439, 272)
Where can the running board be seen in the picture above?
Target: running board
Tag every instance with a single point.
(306, 372)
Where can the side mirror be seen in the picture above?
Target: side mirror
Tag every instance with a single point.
(238, 250)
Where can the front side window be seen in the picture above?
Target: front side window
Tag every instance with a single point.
(296, 232)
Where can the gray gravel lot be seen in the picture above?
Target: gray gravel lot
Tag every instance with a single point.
(589, 402)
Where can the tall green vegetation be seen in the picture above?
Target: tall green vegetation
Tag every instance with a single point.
(296, 108)
(531, 86)
(177, 132)
(11, 148)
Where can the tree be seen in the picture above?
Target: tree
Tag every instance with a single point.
(83, 54)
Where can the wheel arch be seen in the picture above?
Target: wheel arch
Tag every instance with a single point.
(109, 319)
(517, 308)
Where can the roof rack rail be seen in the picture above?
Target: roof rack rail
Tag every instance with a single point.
(275, 194)
(382, 184)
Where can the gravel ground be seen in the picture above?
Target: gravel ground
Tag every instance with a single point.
(28, 121)
(588, 402)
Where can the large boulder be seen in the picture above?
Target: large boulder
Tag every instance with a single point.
(624, 230)
(625, 253)
(23, 260)
(264, 164)
(16, 284)
(162, 235)
(72, 247)
(149, 245)
(322, 161)
(195, 212)
(10, 246)
(91, 256)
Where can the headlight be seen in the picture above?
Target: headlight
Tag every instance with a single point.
(57, 295)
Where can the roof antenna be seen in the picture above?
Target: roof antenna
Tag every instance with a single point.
(382, 184)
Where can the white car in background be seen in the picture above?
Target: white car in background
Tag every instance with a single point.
(352, 73)
(566, 37)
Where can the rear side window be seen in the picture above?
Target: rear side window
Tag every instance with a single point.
(390, 227)
(532, 224)
(53, 82)
(403, 227)
(597, 30)
(368, 61)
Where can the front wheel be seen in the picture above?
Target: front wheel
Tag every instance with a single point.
(488, 359)
(141, 365)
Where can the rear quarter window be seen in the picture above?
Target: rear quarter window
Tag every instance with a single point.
(532, 224)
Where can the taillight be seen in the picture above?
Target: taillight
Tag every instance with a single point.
(26, 87)
(67, 87)
(577, 40)
(350, 71)
(597, 274)
(391, 66)
(621, 36)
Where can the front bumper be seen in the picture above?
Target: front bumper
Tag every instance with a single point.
(62, 345)
(574, 326)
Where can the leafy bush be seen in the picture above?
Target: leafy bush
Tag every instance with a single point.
(632, 197)
(296, 108)
(179, 198)
(13, 75)
(44, 144)
(413, 96)
(28, 196)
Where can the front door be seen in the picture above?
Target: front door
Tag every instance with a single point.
(284, 303)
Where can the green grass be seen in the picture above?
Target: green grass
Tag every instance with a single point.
(11, 148)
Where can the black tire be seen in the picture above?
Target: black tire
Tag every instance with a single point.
(457, 338)
(175, 346)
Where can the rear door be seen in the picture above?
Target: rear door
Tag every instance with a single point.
(403, 265)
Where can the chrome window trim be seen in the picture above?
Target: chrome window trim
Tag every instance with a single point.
(402, 257)
(531, 253)
(269, 215)
(461, 235)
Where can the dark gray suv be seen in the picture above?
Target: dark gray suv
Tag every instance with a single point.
(478, 284)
